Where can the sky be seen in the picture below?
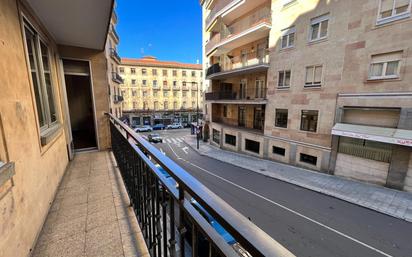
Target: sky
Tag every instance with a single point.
(170, 30)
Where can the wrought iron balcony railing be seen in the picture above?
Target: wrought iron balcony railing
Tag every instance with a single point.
(117, 99)
(117, 78)
(115, 55)
(256, 124)
(253, 93)
(116, 36)
(175, 210)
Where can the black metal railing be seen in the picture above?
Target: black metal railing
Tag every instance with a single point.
(116, 36)
(256, 124)
(117, 78)
(117, 99)
(253, 93)
(115, 55)
(215, 68)
(171, 208)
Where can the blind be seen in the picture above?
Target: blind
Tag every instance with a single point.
(386, 5)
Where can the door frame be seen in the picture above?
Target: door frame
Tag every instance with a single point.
(96, 128)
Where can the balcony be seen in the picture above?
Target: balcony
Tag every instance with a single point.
(115, 56)
(250, 28)
(254, 95)
(252, 125)
(239, 65)
(194, 86)
(114, 34)
(176, 88)
(185, 88)
(166, 87)
(118, 99)
(117, 78)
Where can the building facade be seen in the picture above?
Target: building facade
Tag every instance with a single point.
(320, 88)
(113, 60)
(160, 91)
(53, 99)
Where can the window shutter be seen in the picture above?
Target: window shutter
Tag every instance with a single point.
(386, 5)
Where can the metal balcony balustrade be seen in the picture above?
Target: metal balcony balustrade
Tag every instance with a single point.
(168, 209)
(116, 36)
(117, 78)
(252, 93)
(115, 55)
(263, 15)
(256, 125)
(118, 98)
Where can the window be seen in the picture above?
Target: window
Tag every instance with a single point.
(121, 69)
(391, 10)
(166, 105)
(174, 73)
(193, 94)
(309, 159)
(156, 105)
(134, 93)
(144, 72)
(184, 94)
(174, 105)
(309, 120)
(165, 93)
(164, 82)
(281, 118)
(144, 93)
(288, 38)
(174, 83)
(193, 73)
(133, 82)
(183, 73)
(155, 93)
(39, 58)
(216, 136)
(164, 72)
(278, 150)
(184, 83)
(319, 28)
(145, 106)
(230, 139)
(144, 82)
(252, 146)
(284, 79)
(385, 66)
(225, 111)
(175, 94)
(155, 83)
(366, 149)
(193, 104)
(132, 70)
(154, 72)
(134, 105)
(313, 76)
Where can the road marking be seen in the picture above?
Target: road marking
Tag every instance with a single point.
(161, 150)
(179, 140)
(168, 140)
(174, 140)
(185, 149)
(284, 207)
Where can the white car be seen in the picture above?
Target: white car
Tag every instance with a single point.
(143, 128)
(174, 126)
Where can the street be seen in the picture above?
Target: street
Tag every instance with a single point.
(305, 222)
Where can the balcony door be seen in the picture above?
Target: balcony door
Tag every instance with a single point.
(242, 89)
(258, 118)
(259, 88)
(241, 116)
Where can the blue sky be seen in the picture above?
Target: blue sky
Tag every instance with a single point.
(169, 30)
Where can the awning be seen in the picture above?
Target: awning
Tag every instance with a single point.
(379, 134)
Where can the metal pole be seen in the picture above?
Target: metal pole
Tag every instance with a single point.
(197, 117)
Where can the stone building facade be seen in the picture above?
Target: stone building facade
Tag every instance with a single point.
(157, 91)
(338, 96)
(53, 95)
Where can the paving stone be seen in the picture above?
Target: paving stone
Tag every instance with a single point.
(101, 218)
(72, 246)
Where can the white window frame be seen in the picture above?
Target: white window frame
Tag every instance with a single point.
(284, 73)
(313, 76)
(50, 126)
(393, 17)
(384, 68)
(319, 20)
(286, 33)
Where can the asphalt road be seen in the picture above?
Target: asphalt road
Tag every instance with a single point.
(305, 222)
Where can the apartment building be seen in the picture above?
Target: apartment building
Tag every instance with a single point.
(53, 99)
(157, 91)
(115, 80)
(323, 85)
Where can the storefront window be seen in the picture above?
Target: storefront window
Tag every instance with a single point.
(372, 150)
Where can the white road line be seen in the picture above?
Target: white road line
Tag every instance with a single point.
(286, 208)
(174, 140)
(161, 150)
(168, 141)
(179, 140)
(185, 149)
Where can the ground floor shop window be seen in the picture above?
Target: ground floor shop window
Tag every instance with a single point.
(278, 150)
(309, 159)
(252, 146)
(372, 150)
(216, 136)
(230, 139)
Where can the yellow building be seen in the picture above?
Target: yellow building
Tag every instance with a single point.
(323, 85)
(160, 91)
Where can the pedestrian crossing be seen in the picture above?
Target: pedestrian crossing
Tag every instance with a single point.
(173, 140)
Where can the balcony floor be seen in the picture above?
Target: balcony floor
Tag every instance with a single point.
(90, 215)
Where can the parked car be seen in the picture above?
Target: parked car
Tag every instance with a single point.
(143, 128)
(156, 138)
(174, 126)
(159, 127)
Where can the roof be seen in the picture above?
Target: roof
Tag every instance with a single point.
(153, 62)
(380, 134)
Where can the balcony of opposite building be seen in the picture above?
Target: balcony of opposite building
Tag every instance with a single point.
(239, 65)
(244, 31)
(115, 56)
(117, 78)
(238, 95)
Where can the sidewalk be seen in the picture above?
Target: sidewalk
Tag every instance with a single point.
(388, 201)
(90, 215)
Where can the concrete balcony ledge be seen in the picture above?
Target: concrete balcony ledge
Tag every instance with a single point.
(90, 215)
(247, 69)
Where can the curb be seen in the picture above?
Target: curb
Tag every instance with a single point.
(312, 188)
